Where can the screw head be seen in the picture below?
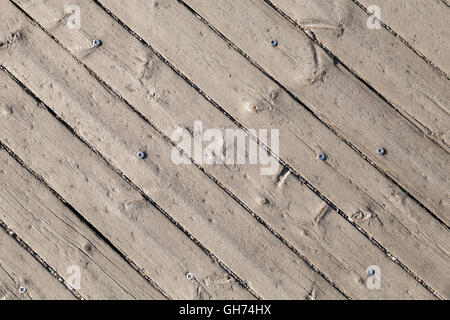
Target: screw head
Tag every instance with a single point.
(273, 42)
(141, 155)
(22, 290)
(97, 43)
(322, 156)
(189, 276)
(370, 272)
(381, 151)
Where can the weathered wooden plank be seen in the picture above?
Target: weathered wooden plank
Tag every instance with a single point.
(189, 196)
(19, 269)
(413, 86)
(377, 205)
(290, 208)
(336, 96)
(424, 24)
(110, 204)
(63, 241)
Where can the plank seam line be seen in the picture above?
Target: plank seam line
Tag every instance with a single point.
(33, 253)
(138, 189)
(310, 186)
(294, 97)
(311, 35)
(446, 3)
(168, 140)
(410, 46)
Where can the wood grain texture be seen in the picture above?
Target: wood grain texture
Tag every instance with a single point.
(424, 24)
(18, 268)
(110, 204)
(62, 240)
(336, 96)
(412, 85)
(219, 223)
(284, 202)
(366, 195)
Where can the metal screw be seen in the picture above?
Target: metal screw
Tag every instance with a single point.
(97, 43)
(189, 276)
(22, 290)
(370, 272)
(381, 151)
(274, 42)
(141, 155)
(322, 156)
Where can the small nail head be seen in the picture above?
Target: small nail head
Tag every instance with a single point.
(141, 155)
(189, 276)
(273, 42)
(370, 272)
(322, 156)
(381, 151)
(22, 290)
(97, 43)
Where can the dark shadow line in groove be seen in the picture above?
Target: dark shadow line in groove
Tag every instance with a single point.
(406, 43)
(296, 99)
(317, 192)
(24, 245)
(139, 190)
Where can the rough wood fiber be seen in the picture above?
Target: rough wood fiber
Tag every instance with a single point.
(335, 95)
(205, 210)
(412, 85)
(376, 204)
(110, 204)
(424, 24)
(284, 202)
(62, 240)
(18, 268)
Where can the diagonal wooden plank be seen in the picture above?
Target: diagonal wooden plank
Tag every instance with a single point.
(376, 204)
(423, 24)
(290, 207)
(63, 241)
(117, 210)
(414, 87)
(190, 197)
(336, 96)
(22, 277)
